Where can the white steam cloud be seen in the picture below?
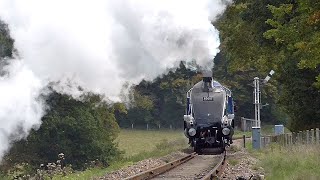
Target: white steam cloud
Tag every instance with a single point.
(99, 45)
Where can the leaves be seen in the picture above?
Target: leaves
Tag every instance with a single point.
(279, 35)
(83, 130)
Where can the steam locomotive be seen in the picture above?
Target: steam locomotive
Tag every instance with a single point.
(208, 122)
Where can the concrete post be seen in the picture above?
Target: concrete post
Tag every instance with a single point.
(256, 138)
(243, 124)
(307, 137)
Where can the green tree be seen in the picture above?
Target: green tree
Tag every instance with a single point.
(6, 42)
(83, 130)
(282, 35)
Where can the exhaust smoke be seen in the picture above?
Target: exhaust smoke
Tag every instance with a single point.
(98, 45)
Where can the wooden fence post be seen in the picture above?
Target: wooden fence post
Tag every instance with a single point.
(292, 137)
(244, 141)
(307, 136)
(284, 139)
(317, 135)
(312, 136)
(270, 139)
(300, 137)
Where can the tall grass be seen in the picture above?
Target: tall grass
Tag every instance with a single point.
(295, 162)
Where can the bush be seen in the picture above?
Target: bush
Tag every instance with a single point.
(83, 130)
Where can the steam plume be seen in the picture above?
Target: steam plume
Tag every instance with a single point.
(98, 45)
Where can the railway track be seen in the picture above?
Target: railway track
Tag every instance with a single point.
(191, 166)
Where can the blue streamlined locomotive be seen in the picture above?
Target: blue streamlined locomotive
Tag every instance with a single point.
(208, 122)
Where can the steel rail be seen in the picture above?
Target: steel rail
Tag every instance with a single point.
(218, 169)
(161, 169)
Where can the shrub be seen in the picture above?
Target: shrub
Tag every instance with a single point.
(84, 130)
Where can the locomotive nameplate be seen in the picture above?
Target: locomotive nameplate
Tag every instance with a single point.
(207, 99)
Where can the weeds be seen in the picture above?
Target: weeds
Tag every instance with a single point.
(233, 162)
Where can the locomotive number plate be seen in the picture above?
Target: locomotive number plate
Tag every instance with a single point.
(207, 99)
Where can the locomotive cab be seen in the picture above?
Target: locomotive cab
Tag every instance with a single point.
(209, 115)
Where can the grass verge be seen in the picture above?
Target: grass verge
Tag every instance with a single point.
(295, 162)
(239, 134)
(133, 142)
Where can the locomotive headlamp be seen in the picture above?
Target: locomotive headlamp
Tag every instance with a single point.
(192, 132)
(225, 131)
